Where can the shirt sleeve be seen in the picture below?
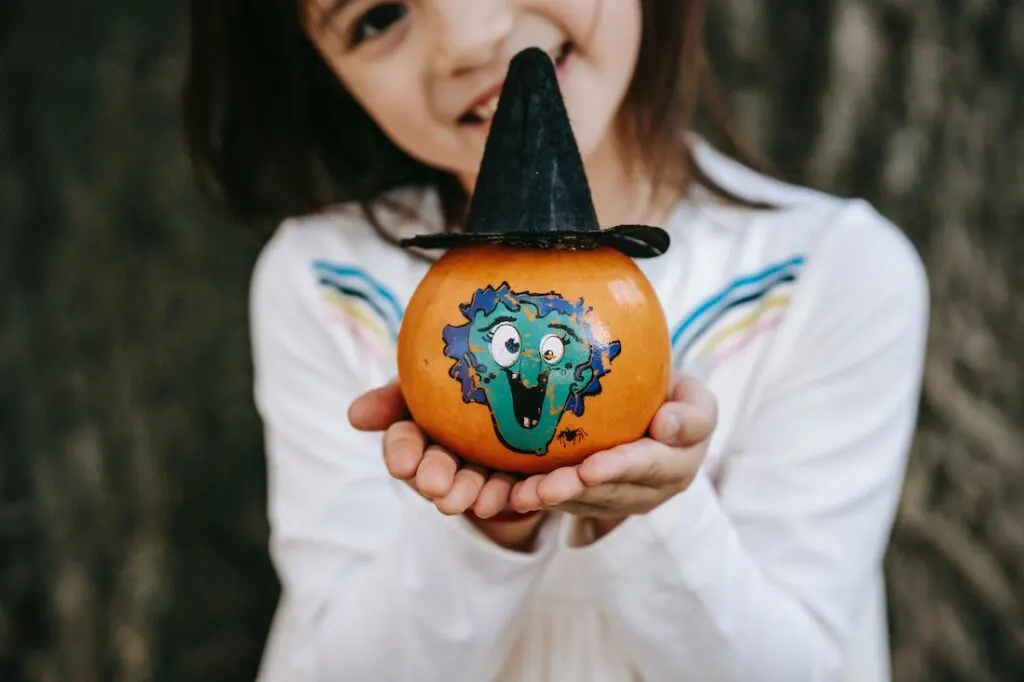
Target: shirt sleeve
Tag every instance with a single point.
(766, 578)
(378, 585)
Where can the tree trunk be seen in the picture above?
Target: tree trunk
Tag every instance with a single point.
(131, 472)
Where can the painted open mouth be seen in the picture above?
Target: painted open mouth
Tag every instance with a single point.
(483, 111)
(527, 402)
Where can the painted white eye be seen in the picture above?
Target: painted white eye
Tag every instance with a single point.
(552, 348)
(505, 344)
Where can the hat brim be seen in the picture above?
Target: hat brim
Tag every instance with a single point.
(635, 241)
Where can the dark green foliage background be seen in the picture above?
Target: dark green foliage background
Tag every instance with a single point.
(132, 531)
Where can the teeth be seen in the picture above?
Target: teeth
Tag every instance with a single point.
(486, 110)
(529, 423)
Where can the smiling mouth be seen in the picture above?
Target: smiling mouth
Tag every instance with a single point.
(527, 402)
(483, 111)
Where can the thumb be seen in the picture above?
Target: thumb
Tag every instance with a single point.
(378, 409)
(692, 392)
(681, 425)
(688, 417)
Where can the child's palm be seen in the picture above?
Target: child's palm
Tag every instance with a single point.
(454, 486)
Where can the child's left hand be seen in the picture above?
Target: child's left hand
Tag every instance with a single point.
(636, 477)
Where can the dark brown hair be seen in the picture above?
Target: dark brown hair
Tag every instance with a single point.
(272, 133)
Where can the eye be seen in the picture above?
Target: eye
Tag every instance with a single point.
(376, 21)
(505, 344)
(552, 348)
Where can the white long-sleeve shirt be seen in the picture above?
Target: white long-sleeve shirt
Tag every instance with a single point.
(809, 325)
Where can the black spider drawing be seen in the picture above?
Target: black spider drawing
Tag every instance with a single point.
(570, 436)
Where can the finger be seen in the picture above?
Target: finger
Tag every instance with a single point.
(403, 449)
(494, 496)
(643, 462)
(378, 409)
(524, 495)
(589, 510)
(561, 485)
(681, 424)
(687, 389)
(689, 414)
(466, 486)
(621, 497)
(436, 473)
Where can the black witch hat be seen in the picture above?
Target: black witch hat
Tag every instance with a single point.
(532, 190)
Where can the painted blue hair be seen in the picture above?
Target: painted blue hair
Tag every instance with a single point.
(485, 301)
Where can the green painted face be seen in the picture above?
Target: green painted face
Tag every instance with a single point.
(528, 365)
(528, 358)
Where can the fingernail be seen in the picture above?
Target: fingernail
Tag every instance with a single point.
(595, 469)
(674, 425)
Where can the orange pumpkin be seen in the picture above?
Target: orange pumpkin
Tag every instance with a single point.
(564, 354)
(536, 340)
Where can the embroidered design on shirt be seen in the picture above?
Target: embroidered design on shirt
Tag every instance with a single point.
(529, 358)
(728, 321)
(367, 307)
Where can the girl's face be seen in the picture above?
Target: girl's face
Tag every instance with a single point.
(429, 71)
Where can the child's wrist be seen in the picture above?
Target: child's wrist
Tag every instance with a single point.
(603, 526)
(511, 530)
(589, 529)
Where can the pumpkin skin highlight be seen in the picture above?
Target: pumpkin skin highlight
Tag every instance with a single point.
(525, 360)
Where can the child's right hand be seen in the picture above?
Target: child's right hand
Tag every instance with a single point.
(455, 487)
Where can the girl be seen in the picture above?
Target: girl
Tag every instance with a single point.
(742, 541)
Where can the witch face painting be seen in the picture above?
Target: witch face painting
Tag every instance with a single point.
(529, 358)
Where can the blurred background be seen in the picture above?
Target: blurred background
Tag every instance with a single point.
(132, 525)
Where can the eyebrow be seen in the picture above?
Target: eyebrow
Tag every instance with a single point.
(496, 321)
(565, 329)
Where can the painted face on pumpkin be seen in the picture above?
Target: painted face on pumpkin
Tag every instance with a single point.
(530, 358)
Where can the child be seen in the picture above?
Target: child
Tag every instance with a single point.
(741, 541)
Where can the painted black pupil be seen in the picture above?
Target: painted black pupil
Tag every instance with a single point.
(512, 346)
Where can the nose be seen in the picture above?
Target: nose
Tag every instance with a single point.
(470, 33)
(530, 368)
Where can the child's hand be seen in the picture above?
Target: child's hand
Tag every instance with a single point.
(636, 477)
(454, 486)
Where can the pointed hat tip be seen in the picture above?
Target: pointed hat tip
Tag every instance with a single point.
(531, 65)
(533, 57)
